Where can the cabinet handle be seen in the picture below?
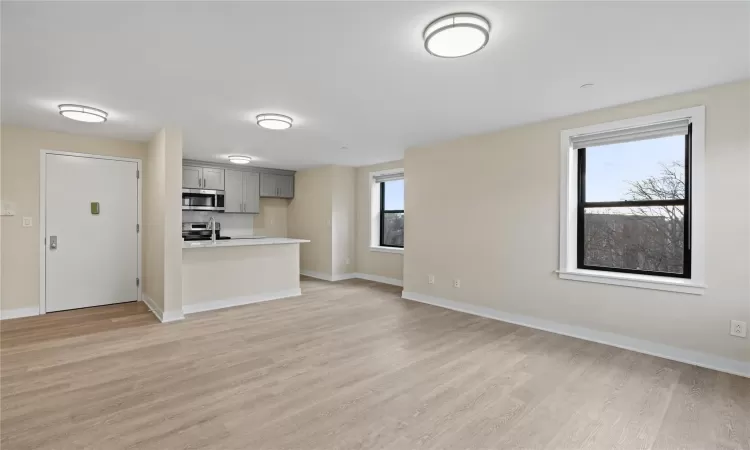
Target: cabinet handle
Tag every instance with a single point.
(204, 182)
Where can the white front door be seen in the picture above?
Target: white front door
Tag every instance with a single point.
(91, 212)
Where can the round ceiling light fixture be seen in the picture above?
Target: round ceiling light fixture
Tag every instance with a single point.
(274, 121)
(83, 113)
(239, 159)
(456, 35)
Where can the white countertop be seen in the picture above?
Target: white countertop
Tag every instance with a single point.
(238, 242)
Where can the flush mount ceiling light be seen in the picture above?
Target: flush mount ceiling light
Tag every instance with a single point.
(239, 159)
(456, 35)
(274, 121)
(83, 113)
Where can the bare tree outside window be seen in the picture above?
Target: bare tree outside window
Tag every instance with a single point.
(392, 213)
(645, 229)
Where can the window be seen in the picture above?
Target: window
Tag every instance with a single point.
(392, 213)
(387, 206)
(632, 202)
(634, 205)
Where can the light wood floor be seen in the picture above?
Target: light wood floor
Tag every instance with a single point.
(346, 366)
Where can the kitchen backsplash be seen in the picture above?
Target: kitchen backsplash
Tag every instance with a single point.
(231, 224)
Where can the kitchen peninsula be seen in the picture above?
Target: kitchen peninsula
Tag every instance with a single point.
(238, 272)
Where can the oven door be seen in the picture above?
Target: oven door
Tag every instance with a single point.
(202, 200)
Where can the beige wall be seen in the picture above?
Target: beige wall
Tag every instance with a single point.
(323, 211)
(272, 219)
(162, 238)
(20, 155)
(309, 217)
(389, 265)
(153, 223)
(343, 216)
(485, 209)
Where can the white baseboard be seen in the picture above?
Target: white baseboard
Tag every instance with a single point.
(379, 279)
(18, 312)
(693, 357)
(349, 276)
(238, 301)
(170, 316)
(318, 275)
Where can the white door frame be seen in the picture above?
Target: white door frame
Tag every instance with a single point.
(43, 218)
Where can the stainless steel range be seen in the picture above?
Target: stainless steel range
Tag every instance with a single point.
(200, 231)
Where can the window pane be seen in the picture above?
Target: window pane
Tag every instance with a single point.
(652, 169)
(648, 239)
(394, 195)
(393, 229)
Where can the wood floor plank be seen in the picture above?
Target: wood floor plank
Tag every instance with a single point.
(348, 365)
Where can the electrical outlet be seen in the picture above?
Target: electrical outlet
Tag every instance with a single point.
(739, 328)
(26, 222)
(456, 283)
(431, 279)
(348, 261)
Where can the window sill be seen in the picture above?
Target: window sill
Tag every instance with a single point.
(377, 248)
(633, 280)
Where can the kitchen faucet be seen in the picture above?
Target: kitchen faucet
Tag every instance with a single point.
(212, 223)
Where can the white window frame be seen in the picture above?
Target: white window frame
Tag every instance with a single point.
(375, 212)
(569, 270)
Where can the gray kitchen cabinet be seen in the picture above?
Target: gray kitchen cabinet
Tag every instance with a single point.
(267, 185)
(285, 186)
(251, 192)
(194, 177)
(213, 178)
(274, 185)
(234, 191)
(242, 193)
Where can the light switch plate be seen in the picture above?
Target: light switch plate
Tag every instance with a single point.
(739, 328)
(27, 222)
(7, 209)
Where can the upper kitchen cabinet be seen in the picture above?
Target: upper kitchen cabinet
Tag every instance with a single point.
(275, 185)
(194, 177)
(233, 192)
(242, 192)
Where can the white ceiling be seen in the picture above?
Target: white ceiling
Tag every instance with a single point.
(352, 74)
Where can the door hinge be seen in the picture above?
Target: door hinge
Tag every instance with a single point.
(137, 281)
(137, 174)
(138, 228)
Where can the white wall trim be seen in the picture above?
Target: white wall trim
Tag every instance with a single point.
(318, 275)
(569, 195)
(634, 280)
(163, 318)
(379, 279)
(377, 248)
(43, 218)
(693, 357)
(239, 301)
(349, 276)
(18, 312)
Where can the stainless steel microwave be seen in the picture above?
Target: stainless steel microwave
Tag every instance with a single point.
(202, 200)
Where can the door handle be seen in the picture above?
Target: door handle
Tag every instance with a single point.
(52, 242)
